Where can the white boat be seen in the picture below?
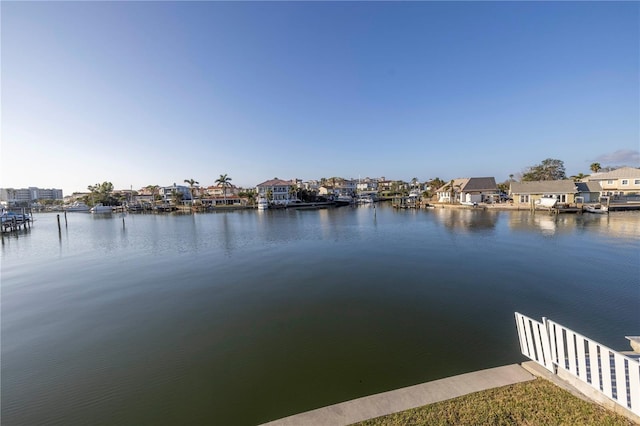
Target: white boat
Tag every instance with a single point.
(547, 202)
(597, 209)
(344, 200)
(9, 216)
(414, 193)
(100, 208)
(263, 204)
(77, 207)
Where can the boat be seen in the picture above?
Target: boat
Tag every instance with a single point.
(365, 200)
(343, 200)
(10, 216)
(77, 207)
(547, 202)
(100, 208)
(263, 204)
(596, 208)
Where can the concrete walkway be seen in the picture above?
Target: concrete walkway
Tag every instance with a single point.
(381, 404)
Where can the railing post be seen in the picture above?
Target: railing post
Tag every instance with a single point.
(550, 347)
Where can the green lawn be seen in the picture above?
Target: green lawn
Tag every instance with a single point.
(537, 402)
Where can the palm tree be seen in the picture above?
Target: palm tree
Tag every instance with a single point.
(293, 191)
(414, 182)
(578, 177)
(191, 183)
(224, 181)
(595, 167)
(154, 190)
(451, 192)
(176, 196)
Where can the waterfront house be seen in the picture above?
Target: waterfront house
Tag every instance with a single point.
(524, 193)
(166, 192)
(327, 190)
(220, 190)
(589, 191)
(346, 187)
(276, 190)
(619, 182)
(367, 185)
(468, 190)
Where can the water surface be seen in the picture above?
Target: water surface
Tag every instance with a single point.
(244, 317)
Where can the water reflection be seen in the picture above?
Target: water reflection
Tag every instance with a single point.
(466, 220)
(616, 225)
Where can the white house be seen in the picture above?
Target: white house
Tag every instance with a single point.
(469, 190)
(166, 191)
(276, 190)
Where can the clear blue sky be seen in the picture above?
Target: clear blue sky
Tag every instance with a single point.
(158, 92)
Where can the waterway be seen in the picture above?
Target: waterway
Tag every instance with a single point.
(243, 317)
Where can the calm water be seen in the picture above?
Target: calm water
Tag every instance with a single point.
(244, 317)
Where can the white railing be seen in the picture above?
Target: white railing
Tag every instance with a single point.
(554, 346)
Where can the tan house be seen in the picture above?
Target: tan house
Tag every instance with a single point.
(623, 181)
(526, 193)
(220, 191)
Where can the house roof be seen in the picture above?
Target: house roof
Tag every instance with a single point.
(276, 182)
(543, 187)
(480, 184)
(460, 182)
(588, 187)
(472, 184)
(621, 173)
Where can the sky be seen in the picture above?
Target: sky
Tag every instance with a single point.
(153, 93)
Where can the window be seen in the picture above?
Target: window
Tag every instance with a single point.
(609, 182)
(636, 182)
(524, 198)
(625, 181)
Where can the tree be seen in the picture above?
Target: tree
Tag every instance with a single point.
(578, 177)
(451, 191)
(293, 191)
(249, 194)
(414, 183)
(456, 191)
(191, 183)
(154, 191)
(176, 196)
(504, 186)
(595, 167)
(549, 169)
(101, 193)
(224, 181)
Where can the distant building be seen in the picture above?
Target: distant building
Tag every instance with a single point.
(277, 190)
(468, 190)
(29, 195)
(524, 193)
(166, 192)
(622, 181)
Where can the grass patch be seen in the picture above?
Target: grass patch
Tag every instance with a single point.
(536, 402)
